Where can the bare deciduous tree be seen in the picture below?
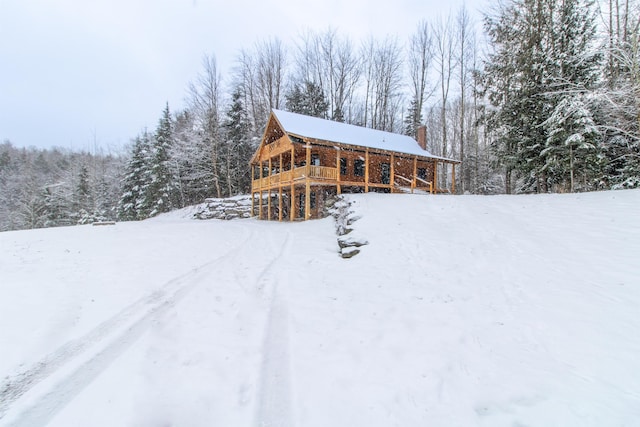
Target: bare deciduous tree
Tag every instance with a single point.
(445, 60)
(420, 55)
(383, 80)
(204, 100)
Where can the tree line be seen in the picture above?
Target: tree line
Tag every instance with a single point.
(547, 101)
(56, 187)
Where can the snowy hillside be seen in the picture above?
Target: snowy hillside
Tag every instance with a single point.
(461, 311)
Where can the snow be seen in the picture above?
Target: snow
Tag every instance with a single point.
(328, 130)
(460, 311)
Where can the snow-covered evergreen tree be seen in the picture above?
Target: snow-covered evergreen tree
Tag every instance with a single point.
(571, 153)
(572, 136)
(239, 145)
(133, 204)
(162, 194)
(307, 99)
(543, 63)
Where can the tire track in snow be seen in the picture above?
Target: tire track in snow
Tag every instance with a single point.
(137, 315)
(274, 400)
(48, 405)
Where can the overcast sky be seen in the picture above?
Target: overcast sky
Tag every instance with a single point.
(75, 72)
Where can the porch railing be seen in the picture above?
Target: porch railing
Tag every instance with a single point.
(311, 171)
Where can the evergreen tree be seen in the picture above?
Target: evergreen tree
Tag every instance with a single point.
(133, 202)
(572, 134)
(543, 62)
(239, 146)
(571, 145)
(338, 115)
(82, 193)
(413, 119)
(307, 99)
(162, 195)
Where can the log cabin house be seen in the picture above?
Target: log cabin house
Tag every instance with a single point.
(303, 160)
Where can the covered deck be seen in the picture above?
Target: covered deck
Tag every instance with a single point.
(292, 175)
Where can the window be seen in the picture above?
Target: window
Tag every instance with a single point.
(315, 160)
(343, 166)
(358, 167)
(422, 173)
(385, 172)
(312, 200)
(301, 202)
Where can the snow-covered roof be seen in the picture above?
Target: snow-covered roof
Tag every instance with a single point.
(328, 130)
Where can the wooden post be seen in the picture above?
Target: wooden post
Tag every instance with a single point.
(269, 204)
(292, 211)
(435, 177)
(307, 201)
(366, 170)
(338, 187)
(280, 192)
(260, 205)
(415, 173)
(269, 192)
(453, 178)
(392, 181)
(253, 194)
(280, 203)
(307, 196)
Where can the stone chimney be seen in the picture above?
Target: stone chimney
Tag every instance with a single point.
(421, 136)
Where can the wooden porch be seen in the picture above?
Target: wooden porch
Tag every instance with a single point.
(291, 179)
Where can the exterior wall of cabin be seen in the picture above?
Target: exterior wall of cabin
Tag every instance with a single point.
(292, 177)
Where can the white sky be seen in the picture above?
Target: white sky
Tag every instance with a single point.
(77, 71)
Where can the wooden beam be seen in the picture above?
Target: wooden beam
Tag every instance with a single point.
(366, 170)
(307, 197)
(280, 203)
(338, 187)
(280, 192)
(253, 194)
(415, 173)
(307, 200)
(292, 211)
(269, 192)
(453, 178)
(435, 177)
(269, 203)
(392, 181)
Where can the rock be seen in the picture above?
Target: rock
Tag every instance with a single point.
(226, 209)
(352, 219)
(349, 252)
(345, 242)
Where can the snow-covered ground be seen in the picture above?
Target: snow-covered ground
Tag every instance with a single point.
(461, 311)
